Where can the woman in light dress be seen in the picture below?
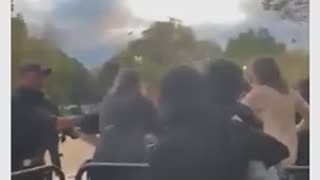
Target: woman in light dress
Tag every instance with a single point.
(275, 104)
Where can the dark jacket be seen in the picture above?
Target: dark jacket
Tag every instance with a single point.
(33, 126)
(303, 136)
(303, 148)
(244, 113)
(132, 117)
(120, 145)
(202, 152)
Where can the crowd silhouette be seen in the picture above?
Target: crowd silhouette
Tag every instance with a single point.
(220, 124)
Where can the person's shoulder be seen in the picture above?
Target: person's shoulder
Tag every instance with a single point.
(240, 128)
(260, 91)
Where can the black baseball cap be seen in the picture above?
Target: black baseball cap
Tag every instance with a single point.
(35, 67)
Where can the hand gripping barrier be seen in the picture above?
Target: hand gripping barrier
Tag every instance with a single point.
(112, 171)
(36, 172)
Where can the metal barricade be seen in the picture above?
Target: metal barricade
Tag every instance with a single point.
(38, 171)
(296, 173)
(99, 171)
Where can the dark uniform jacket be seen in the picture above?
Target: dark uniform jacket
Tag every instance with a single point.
(33, 127)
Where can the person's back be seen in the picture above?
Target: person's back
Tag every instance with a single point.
(188, 153)
(120, 145)
(123, 140)
(131, 115)
(275, 104)
(277, 113)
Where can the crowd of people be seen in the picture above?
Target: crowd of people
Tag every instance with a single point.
(220, 124)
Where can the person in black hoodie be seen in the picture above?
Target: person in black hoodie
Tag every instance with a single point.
(202, 142)
(226, 83)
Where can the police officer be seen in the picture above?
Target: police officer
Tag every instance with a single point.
(34, 125)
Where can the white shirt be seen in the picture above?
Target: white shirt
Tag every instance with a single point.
(277, 113)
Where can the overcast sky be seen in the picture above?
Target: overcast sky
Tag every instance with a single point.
(92, 30)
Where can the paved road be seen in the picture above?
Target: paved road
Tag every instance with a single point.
(75, 152)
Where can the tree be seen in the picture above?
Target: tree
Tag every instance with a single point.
(107, 75)
(294, 65)
(19, 35)
(253, 43)
(70, 81)
(208, 50)
(163, 45)
(295, 10)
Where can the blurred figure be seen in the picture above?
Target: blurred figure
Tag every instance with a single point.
(275, 104)
(246, 89)
(202, 142)
(126, 117)
(35, 124)
(303, 136)
(226, 85)
(303, 88)
(151, 93)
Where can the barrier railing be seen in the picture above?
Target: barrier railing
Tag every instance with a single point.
(297, 173)
(38, 171)
(106, 169)
(102, 170)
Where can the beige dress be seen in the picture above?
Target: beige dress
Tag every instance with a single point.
(277, 113)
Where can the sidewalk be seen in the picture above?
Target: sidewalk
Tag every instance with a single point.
(75, 152)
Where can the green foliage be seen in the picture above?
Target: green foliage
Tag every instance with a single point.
(18, 40)
(163, 45)
(106, 76)
(294, 65)
(70, 82)
(252, 44)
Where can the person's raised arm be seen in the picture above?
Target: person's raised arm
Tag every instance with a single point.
(302, 108)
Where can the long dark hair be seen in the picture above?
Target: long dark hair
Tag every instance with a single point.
(225, 80)
(182, 95)
(268, 73)
(127, 81)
